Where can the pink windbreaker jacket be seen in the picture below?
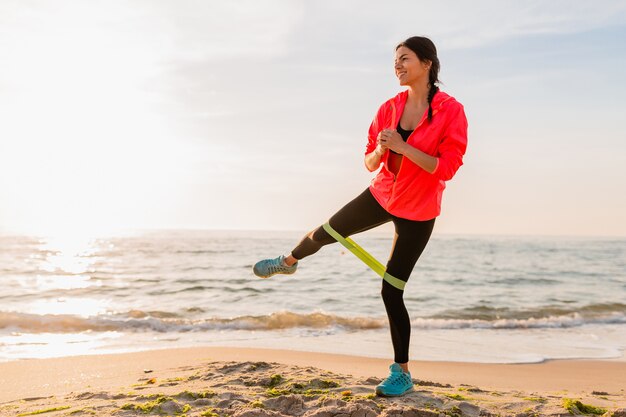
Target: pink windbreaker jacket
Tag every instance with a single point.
(414, 193)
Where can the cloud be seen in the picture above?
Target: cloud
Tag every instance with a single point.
(452, 24)
(481, 23)
(237, 93)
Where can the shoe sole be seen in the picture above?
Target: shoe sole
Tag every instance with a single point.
(271, 275)
(380, 394)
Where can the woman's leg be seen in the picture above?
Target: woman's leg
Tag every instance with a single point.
(359, 215)
(410, 240)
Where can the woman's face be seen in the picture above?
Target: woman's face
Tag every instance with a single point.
(409, 69)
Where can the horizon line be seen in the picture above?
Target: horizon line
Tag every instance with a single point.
(122, 231)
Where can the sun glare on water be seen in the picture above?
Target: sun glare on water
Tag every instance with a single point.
(66, 263)
(69, 253)
(57, 317)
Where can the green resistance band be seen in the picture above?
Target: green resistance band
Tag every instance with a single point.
(363, 255)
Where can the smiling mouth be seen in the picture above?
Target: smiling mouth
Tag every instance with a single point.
(400, 74)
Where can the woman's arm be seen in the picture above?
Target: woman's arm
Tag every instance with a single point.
(449, 152)
(374, 158)
(392, 140)
(375, 150)
(423, 160)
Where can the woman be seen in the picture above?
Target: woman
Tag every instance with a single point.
(419, 137)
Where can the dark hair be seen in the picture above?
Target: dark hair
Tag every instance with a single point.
(425, 50)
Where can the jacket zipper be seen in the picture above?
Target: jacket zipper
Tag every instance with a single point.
(393, 115)
(395, 176)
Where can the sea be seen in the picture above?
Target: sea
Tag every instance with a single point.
(488, 299)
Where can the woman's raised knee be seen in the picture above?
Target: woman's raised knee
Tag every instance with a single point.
(321, 236)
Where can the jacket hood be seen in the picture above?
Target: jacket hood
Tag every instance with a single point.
(399, 101)
(439, 98)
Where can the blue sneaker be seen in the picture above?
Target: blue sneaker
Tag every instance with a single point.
(397, 383)
(268, 267)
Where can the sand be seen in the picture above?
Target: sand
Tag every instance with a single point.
(246, 382)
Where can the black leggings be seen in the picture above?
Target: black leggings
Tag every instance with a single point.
(364, 213)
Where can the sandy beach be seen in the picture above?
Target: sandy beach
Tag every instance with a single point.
(240, 382)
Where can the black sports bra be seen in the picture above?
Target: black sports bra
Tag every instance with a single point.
(404, 133)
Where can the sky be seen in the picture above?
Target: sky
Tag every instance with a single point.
(253, 115)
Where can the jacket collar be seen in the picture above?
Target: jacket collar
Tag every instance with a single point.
(399, 101)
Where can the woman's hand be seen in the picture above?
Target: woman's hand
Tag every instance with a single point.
(374, 158)
(381, 147)
(391, 139)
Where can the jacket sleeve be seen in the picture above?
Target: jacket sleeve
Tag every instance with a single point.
(376, 126)
(452, 146)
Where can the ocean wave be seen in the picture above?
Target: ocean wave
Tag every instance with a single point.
(492, 314)
(204, 251)
(552, 322)
(136, 320)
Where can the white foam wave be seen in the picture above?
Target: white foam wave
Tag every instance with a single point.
(132, 321)
(551, 322)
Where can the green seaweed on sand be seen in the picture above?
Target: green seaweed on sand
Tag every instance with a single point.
(257, 404)
(327, 383)
(196, 395)
(453, 412)
(455, 396)
(144, 384)
(313, 392)
(209, 413)
(351, 397)
(275, 380)
(45, 410)
(275, 392)
(149, 406)
(312, 388)
(536, 399)
(295, 389)
(470, 389)
(150, 396)
(83, 411)
(530, 412)
(577, 407)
